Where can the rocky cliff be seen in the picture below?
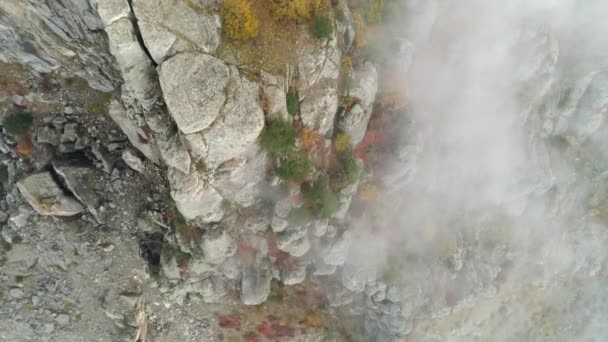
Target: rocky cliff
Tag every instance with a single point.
(180, 184)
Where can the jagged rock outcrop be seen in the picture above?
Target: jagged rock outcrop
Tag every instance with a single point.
(67, 35)
(170, 27)
(365, 86)
(319, 70)
(194, 88)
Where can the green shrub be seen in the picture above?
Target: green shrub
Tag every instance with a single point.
(322, 27)
(278, 137)
(318, 197)
(18, 124)
(294, 166)
(350, 169)
(293, 103)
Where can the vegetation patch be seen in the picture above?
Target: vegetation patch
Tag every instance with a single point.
(322, 27)
(18, 123)
(293, 103)
(278, 138)
(238, 20)
(319, 198)
(297, 11)
(294, 166)
(299, 216)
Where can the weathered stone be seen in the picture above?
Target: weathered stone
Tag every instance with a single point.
(279, 224)
(47, 135)
(293, 274)
(174, 153)
(194, 87)
(294, 240)
(170, 27)
(237, 128)
(140, 84)
(46, 197)
(275, 98)
(217, 245)
(354, 122)
(238, 180)
(81, 181)
(212, 289)
(133, 161)
(319, 72)
(320, 227)
(255, 283)
(136, 136)
(194, 197)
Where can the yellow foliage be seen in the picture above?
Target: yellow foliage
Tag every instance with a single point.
(342, 142)
(238, 20)
(297, 10)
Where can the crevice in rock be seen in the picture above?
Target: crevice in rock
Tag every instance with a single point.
(140, 38)
(150, 249)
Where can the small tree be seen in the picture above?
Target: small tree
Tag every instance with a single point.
(320, 198)
(238, 20)
(322, 27)
(293, 103)
(18, 124)
(295, 166)
(278, 137)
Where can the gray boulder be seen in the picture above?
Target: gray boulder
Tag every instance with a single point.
(255, 283)
(355, 121)
(217, 245)
(319, 72)
(82, 182)
(238, 180)
(239, 123)
(170, 27)
(294, 240)
(46, 197)
(136, 134)
(140, 85)
(174, 153)
(195, 198)
(194, 87)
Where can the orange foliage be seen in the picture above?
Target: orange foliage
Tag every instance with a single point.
(314, 319)
(369, 192)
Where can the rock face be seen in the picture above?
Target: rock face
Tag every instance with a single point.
(255, 284)
(46, 197)
(81, 182)
(194, 87)
(319, 72)
(354, 122)
(170, 27)
(194, 197)
(67, 35)
(140, 85)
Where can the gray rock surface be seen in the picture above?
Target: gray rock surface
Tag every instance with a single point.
(46, 197)
(194, 88)
(82, 182)
(354, 122)
(194, 197)
(239, 123)
(171, 27)
(217, 245)
(294, 240)
(319, 72)
(255, 283)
